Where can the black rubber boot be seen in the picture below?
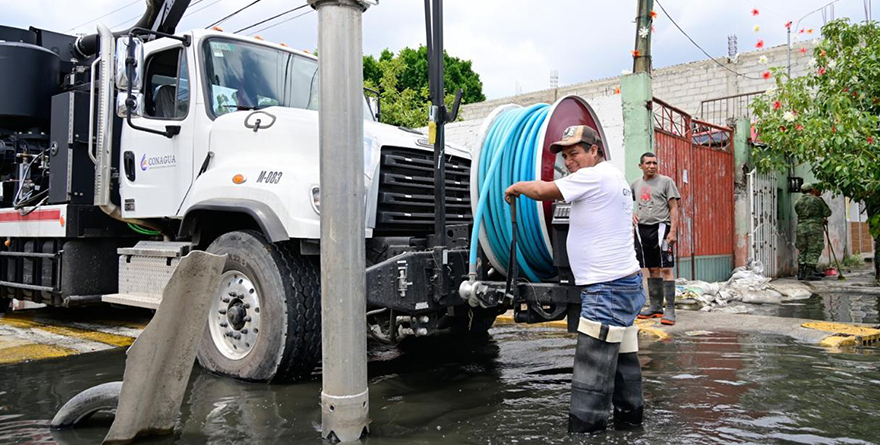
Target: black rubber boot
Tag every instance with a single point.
(813, 274)
(627, 399)
(802, 272)
(655, 297)
(592, 384)
(669, 296)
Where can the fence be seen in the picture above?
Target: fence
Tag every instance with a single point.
(698, 156)
(763, 234)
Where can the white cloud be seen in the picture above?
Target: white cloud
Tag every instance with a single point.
(509, 41)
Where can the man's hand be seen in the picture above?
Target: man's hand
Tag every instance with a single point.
(511, 193)
(537, 190)
(672, 238)
(635, 219)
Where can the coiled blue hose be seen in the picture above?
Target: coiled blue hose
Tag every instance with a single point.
(508, 156)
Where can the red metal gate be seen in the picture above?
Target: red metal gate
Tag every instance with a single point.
(698, 156)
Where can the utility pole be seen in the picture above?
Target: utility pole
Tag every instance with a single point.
(642, 52)
(344, 395)
(437, 120)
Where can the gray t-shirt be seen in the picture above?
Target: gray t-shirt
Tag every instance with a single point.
(652, 198)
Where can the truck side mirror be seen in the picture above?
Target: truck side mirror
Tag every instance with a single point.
(123, 78)
(129, 72)
(375, 103)
(122, 104)
(374, 107)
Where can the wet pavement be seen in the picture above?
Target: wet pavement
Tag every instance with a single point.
(510, 388)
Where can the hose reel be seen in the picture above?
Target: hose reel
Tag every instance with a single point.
(513, 146)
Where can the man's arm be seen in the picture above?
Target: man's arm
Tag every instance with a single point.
(673, 221)
(632, 189)
(537, 190)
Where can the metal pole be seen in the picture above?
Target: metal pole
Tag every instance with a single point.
(344, 396)
(438, 117)
(788, 45)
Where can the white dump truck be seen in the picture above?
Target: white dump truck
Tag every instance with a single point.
(220, 153)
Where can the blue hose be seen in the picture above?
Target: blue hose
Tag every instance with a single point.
(508, 156)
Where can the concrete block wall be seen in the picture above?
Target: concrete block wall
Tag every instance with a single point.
(683, 86)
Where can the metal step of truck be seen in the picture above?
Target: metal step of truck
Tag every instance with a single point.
(144, 270)
(148, 301)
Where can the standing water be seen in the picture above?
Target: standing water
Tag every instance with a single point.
(511, 388)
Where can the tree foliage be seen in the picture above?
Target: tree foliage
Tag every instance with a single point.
(402, 82)
(828, 118)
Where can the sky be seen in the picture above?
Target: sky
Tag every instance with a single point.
(514, 44)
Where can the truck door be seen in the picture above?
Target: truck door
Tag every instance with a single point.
(156, 171)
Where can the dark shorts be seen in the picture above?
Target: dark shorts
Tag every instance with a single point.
(615, 303)
(648, 247)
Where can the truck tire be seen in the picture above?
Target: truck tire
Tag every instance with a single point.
(104, 397)
(266, 322)
(4, 305)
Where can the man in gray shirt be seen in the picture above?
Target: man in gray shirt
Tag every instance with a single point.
(656, 220)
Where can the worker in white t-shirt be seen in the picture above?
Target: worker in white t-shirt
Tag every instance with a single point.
(600, 240)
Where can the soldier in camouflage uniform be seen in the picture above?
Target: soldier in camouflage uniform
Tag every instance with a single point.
(812, 213)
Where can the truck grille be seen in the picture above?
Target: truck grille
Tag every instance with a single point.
(406, 191)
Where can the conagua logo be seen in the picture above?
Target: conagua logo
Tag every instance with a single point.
(158, 162)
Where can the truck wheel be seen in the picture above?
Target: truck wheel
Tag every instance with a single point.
(265, 323)
(4, 305)
(470, 321)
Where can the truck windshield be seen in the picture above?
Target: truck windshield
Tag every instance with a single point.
(243, 75)
(247, 76)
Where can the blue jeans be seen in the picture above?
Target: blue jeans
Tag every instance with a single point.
(615, 303)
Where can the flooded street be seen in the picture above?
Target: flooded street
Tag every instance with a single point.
(510, 388)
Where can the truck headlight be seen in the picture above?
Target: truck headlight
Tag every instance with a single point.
(316, 199)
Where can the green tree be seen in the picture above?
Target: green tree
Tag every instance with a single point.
(402, 81)
(829, 118)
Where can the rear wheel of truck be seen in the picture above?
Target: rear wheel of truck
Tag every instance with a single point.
(265, 322)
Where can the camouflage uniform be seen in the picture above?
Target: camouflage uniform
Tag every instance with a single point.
(811, 212)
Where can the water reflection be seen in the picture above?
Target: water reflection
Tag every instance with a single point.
(512, 388)
(843, 307)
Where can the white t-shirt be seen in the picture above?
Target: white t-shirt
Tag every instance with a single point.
(600, 236)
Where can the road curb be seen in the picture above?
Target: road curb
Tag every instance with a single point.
(845, 335)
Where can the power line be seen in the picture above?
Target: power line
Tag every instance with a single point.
(107, 14)
(202, 8)
(700, 47)
(283, 21)
(798, 24)
(272, 18)
(187, 14)
(233, 14)
(126, 21)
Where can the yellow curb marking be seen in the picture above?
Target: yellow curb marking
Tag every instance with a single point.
(26, 322)
(649, 327)
(844, 334)
(835, 342)
(646, 327)
(27, 352)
